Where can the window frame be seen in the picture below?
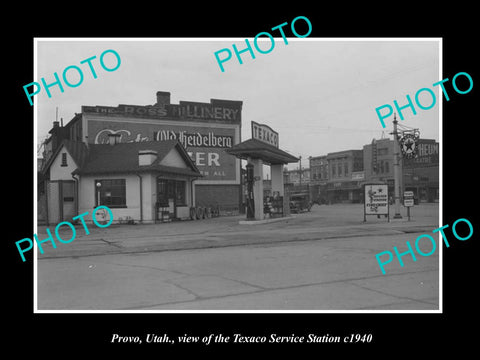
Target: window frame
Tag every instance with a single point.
(64, 159)
(104, 189)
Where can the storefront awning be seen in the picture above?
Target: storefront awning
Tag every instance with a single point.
(259, 150)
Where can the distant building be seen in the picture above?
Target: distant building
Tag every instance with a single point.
(318, 178)
(378, 161)
(297, 176)
(419, 174)
(345, 176)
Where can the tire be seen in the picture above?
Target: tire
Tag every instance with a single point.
(193, 214)
(199, 213)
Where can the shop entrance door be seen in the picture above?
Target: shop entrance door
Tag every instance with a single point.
(170, 194)
(165, 199)
(60, 198)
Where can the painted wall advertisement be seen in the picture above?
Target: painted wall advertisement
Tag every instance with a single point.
(205, 145)
(376, 199)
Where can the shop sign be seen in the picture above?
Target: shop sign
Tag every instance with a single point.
(358, 175)
(408, 145)
(264, 133)
(376, 199)
(182, 111)
(427, 154)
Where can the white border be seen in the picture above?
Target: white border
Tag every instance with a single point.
(387, 39)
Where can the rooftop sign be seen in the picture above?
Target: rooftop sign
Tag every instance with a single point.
(183, 111)
(265, 134)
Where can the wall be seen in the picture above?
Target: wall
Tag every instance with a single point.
(205, 142)
(58, 172)
(87, 190)
(384, 154)
(225, 196)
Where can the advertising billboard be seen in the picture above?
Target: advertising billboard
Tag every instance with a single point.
(205, 143)
(376, 199)
(426, 154)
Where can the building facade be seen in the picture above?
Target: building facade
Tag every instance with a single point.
(419, 174)
(318, 178)
(204, 130)
(296, 177)
(140, 182)
(378, 161)
(345, 176)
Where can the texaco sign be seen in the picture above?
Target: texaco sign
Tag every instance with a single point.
(408, 145)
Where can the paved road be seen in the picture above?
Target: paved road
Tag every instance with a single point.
(287, 266)
(324, 222)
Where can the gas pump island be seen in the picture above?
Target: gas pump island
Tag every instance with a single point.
(262, 149)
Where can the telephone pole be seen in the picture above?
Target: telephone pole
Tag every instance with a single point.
(300, 172)
(396, 168)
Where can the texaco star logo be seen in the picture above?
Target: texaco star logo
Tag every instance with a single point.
(408, 145)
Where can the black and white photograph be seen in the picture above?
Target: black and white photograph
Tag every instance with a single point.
(208, 179)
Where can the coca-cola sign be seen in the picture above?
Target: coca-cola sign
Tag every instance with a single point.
(125, 136)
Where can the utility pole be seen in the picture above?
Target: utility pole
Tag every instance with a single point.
(396, 168)
(300, 172)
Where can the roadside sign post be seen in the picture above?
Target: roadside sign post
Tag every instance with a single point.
(408, 201)
(376, 201)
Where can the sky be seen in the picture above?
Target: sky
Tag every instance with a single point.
(319, 94)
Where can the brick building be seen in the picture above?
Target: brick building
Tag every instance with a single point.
(204, 130)
(345, 176)
(419, 174)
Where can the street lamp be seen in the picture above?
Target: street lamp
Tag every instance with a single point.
(99, 185)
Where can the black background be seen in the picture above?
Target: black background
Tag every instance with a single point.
(60, 335)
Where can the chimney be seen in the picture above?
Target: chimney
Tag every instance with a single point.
(55, 124)
(163, 98)
(113, 139)
(146, 157)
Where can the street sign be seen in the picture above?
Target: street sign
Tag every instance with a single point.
(408, 198)
(407, 202)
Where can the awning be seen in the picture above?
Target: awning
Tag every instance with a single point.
(256, 149)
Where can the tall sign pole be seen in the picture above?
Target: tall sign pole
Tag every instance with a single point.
(396, 168)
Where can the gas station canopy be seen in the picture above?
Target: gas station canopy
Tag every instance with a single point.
(256, 149)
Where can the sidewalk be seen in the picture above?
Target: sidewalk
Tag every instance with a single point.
(323, 222)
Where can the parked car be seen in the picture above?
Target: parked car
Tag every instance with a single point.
(300, 203)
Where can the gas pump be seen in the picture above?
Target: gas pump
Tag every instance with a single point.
(250, 199)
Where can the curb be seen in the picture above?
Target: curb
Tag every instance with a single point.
(214, 242)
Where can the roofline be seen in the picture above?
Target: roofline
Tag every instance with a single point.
(146, 170)
(52, 158)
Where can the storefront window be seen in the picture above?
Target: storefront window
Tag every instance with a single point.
(180, 192)
(110, 192)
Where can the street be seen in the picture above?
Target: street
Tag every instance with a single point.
(323, 260)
